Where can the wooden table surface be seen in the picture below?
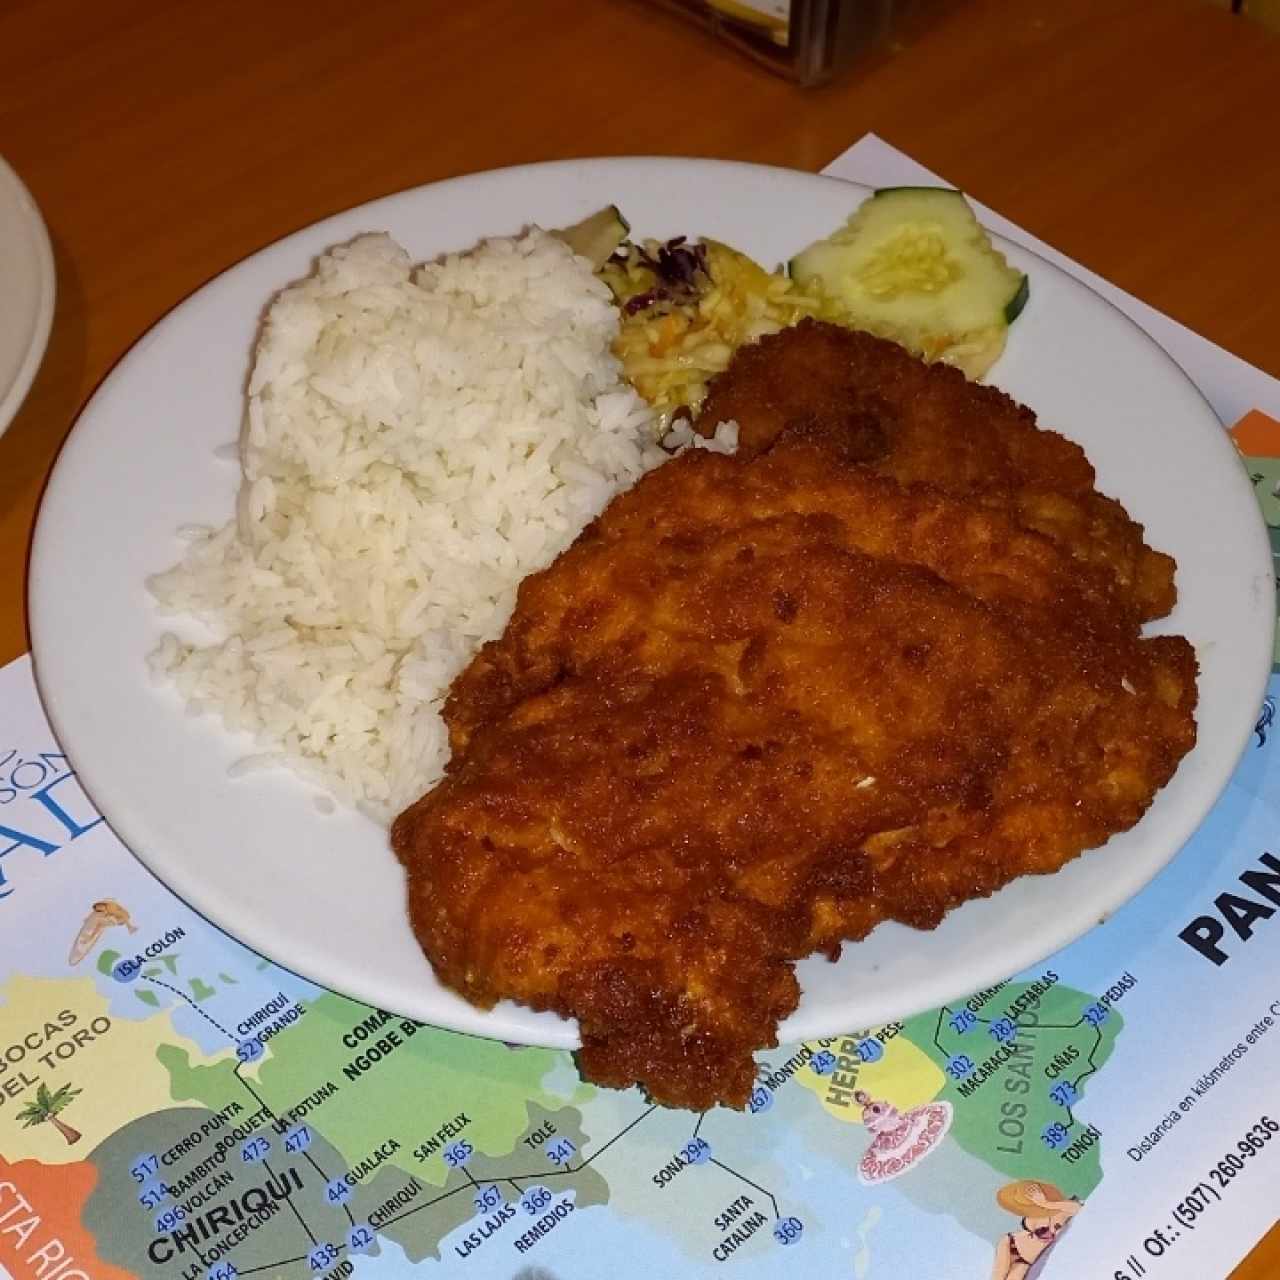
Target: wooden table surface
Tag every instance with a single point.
(165, 142)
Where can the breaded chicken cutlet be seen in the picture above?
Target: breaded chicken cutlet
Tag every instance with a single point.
(918, 423)
(883, 660)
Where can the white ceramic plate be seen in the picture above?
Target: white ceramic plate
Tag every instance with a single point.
(323, 895)
(26, 292)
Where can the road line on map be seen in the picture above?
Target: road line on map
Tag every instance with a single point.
(182, 995)
(1084, 1075)
(643, 1115)
(567, 1172)
(531, 1177)
(310, 1159)
(269, 1266)
(292, 1206)
(1040, 1026)
(417, 1208)
(306, 1155)
(937, 1031)
(742, 1178)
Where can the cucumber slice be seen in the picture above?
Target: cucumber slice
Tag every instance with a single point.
(596, 237)
(1013, 308)
(915, 265)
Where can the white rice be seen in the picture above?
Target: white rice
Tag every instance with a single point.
(681, 436)
(417, 441)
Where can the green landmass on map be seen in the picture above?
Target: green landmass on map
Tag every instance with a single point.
(419, 1223)
(423, 1085)
(387, 1128)
(166, 966)
(124, 1228)
(384, 1121)
(1002, 1120)
(419, 1233)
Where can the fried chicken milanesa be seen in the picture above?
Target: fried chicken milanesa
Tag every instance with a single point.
(767, 701)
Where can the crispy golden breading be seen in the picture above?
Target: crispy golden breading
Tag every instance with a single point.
(927, 424)
(763, 703)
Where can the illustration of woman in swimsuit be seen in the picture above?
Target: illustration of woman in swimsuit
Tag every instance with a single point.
(1044, 1211)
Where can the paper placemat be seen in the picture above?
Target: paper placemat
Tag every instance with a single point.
(1227, 382)
(173, 1106)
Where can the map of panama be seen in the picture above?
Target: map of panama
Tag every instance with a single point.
(314, 1132)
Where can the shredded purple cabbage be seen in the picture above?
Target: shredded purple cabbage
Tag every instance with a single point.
(641, 302)
(677, 266)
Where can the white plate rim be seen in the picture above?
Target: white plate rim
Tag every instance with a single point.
(23, 202)
(520, 1025)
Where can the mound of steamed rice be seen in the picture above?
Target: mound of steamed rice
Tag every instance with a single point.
(417, 441)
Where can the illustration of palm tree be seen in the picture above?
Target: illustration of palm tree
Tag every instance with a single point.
(46, 1107)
